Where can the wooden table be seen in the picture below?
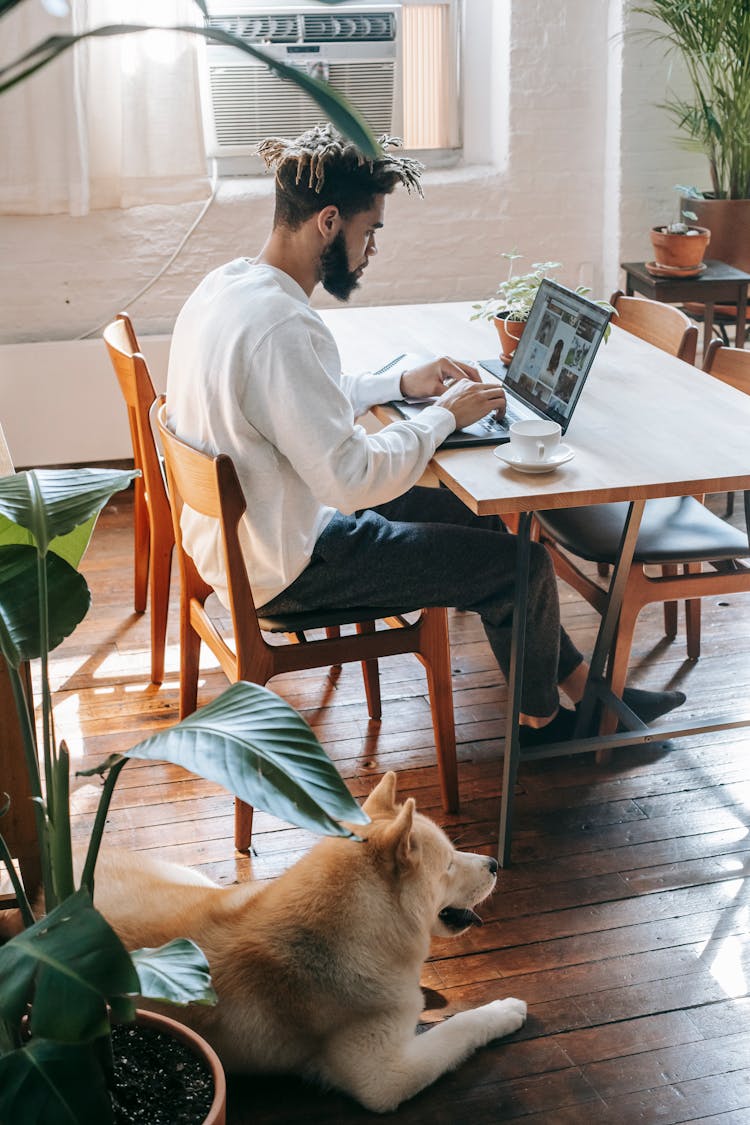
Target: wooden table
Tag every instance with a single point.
(718, 284)
(646, 425)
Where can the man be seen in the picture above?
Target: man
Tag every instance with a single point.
(333, 515)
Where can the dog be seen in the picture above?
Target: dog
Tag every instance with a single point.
(317, 972)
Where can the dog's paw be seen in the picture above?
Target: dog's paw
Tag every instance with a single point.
(507, 1015)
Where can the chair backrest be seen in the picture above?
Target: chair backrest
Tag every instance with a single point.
(138, 391)
(664, 326)
(731, 365)
(209, 485)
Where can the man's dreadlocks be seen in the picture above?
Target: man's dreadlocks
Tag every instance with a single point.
(321, 168)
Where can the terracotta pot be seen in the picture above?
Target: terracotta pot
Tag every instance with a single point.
(510, 332)
(681, 251)
(217, 1114)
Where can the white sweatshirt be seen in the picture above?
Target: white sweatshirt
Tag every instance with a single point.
(255, 373)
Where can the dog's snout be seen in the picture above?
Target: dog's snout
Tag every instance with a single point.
(492, 864)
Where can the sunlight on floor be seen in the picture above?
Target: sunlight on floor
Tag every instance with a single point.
(727, 968)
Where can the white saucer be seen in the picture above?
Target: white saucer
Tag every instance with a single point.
(562, 454)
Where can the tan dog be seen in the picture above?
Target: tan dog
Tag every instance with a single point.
(318, 972)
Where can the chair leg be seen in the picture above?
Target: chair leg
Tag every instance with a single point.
(141, 539)
(190, 650)
(243, 825)
(161, 571)
(670, 608)
(693, 617)
(602, 569)
(371, 676)
(435, 655)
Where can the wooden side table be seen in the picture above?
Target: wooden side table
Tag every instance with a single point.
(718, 284)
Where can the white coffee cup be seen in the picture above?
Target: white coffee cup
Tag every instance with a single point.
(535, 439)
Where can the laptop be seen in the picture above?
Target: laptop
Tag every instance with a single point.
(547, 371)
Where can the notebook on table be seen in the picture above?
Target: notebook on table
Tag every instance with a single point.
(547, 371)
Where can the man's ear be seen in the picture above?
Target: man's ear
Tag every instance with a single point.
(329, 222)
(397, 840)
(382, 800)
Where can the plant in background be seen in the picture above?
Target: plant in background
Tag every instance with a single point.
(65, 972)
(679, 226)
(336, 108)
(515, 295)
(713, 39)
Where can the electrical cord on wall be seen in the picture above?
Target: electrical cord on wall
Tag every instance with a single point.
(181, 246)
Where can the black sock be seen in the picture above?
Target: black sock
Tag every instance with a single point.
(560, 729)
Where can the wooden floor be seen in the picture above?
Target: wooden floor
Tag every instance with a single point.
(623, 920)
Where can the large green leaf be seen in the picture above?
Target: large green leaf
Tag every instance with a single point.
(68, 596)
(53, 502)
(72, 961)
(48, 1083)
(177, 972)
(257, 746)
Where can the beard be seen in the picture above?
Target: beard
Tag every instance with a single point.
(335, 275)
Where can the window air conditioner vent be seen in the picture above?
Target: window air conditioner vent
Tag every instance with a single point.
(260, 27)
(249, 102)
(357, 27)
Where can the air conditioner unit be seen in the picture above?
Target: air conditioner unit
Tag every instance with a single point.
(354, 47)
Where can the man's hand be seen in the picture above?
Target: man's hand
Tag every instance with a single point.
(459, 387)
(433, 378)
(469, 401)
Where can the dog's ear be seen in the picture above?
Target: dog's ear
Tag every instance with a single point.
(397, 838)
(382, 800)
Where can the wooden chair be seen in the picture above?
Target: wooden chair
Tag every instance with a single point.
(209, 485)
(669, 329)
(732, 366)
(678, 534)
(664, 326)
(154, 538)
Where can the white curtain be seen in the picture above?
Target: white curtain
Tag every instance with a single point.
(111, 123)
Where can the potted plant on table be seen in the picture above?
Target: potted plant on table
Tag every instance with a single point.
(712, 38)
(511, 303)
(679, 247)
(67, 973)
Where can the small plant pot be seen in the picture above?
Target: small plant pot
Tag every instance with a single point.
(510, 332)
(680, 251)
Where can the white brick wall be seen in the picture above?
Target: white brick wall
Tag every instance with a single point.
(549, 111)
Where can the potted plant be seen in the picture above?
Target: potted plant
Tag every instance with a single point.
(511, 303)
(67, 973)
(712, 37)
(679, 247)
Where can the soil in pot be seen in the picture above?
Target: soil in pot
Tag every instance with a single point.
(158, 1079)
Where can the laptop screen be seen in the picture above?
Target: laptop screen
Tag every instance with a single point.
(556, 350)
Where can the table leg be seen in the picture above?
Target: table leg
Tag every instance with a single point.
(708, 324)
(596, 688)
(739, 332)
(512, 755)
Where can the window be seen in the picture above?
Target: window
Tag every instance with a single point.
(397, 63)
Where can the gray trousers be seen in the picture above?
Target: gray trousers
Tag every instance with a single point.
(427, 549)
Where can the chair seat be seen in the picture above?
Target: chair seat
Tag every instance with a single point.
(673, 530)
(322, 619)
